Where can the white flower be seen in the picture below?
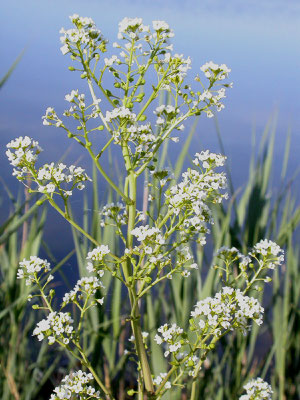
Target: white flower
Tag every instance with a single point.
(87, 285)
(28, 268)
(228, 253)
(160, 25)
(271, 250)
(131, 26)
(110, 61)
(160, 121)
(211, 69)
(85, 33)
(64, 49)
(98, 253)
(257, 389)
(57, 175)
(70, 97)
(229, 309)
(121, 112)
(144, 233)
(158, 339)
(75, 385)
(22, 153)
(191, 196)
(55, 326)
(209, 160)
(51, 118)
(158, 380)
(171, 336)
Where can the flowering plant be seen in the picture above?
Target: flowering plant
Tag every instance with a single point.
(155, 247)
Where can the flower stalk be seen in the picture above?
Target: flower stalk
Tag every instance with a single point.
(157, 241)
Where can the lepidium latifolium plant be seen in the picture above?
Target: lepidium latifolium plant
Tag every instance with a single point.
(155, 247)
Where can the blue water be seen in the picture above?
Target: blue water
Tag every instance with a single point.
(258, 40)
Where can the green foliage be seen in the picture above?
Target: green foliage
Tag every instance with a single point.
(175, 225)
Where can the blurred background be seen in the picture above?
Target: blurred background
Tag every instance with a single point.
(259, 41)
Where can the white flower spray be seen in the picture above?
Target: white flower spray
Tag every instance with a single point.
(156, 247)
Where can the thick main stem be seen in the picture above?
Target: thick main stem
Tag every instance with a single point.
(194, 389)
(127, 269)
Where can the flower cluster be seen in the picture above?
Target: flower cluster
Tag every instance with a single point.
(172, 336)
(165, 114)
(174, 340)
(270, 251)
(264, 255)
(131, 27)
(121, 113)
(98, 253)
(184, 258)
(77, 108)
(229, 309)
(228, 254)
(180, 67)
(159, 379)
(58, 175)
(85, 33)
(208, 160)
(29, 269)
(194, 189)
(22, 154)
(96, 259)
(75, 384)
(85, 41)
(215, 71)
(141, 136)
(115, 212)
(146, 234)
(86, 286)
(212, 97)
(257, 389)
(51, 118)
(188, 199)
(56, 327)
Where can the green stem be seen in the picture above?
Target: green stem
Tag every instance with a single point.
(162, 385)
(95, 100)
(140, 388)
(253, 279)
(44, 296)
(194, 389)
(130, 185)
(105, 176)
(82, 311)
(153, 94)
(109, 396)
(81, 230)
(73, 223)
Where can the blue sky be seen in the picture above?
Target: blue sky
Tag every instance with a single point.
(258, 40)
